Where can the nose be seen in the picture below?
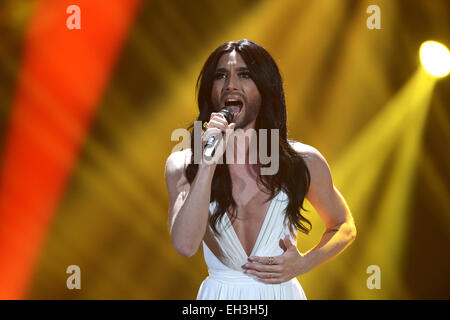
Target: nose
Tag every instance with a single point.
(231, 84)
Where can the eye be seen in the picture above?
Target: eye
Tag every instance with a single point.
(219, 75)
(245, 75)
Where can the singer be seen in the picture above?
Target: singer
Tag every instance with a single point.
(247, 222)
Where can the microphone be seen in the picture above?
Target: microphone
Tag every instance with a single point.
(213, 141)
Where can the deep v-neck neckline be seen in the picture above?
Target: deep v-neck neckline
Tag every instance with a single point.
(263, 225)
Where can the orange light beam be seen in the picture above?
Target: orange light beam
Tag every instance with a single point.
(63, 74)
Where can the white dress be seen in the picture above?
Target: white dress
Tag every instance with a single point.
(227, 280)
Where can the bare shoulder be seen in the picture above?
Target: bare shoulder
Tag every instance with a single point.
(175, 165)
(317, 164)
(177, 161)
(307, 152)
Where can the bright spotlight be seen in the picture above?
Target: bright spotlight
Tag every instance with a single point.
(435, 58)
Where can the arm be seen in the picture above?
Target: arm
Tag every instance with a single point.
(332, 209)
(189, 204)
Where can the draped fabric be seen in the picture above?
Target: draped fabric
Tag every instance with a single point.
(224, 256)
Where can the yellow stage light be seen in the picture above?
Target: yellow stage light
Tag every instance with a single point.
(435, 58)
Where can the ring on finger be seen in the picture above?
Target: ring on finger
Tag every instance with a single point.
(271, 262)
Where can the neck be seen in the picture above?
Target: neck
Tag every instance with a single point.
(242, 153)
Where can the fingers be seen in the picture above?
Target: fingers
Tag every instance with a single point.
(266, 260)
(209, 133)
(277, 269)
(217, 120)
(263, 270)
(263, 267)
(266, 277)
(217, 114)
(270, 274)
(263, 275)
(217, 123)
(218, 128)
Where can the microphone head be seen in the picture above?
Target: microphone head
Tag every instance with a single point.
(228, 113)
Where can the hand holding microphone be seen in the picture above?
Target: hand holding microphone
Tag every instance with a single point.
(218, 124)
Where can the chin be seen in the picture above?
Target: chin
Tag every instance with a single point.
(245, 123)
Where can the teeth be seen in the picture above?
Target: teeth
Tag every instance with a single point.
(232, 101)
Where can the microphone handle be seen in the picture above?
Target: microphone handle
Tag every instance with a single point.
(213, 141)
(210, 146)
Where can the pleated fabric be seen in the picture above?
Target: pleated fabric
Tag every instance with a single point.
(227, 280)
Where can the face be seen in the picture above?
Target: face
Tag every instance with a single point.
(234, 87)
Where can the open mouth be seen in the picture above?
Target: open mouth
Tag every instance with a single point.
(235, 105)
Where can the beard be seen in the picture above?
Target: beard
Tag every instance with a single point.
(244, 122)
(251, 112)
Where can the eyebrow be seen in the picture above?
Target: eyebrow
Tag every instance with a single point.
(226, 70)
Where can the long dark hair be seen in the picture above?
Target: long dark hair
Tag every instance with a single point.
(293, 176)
